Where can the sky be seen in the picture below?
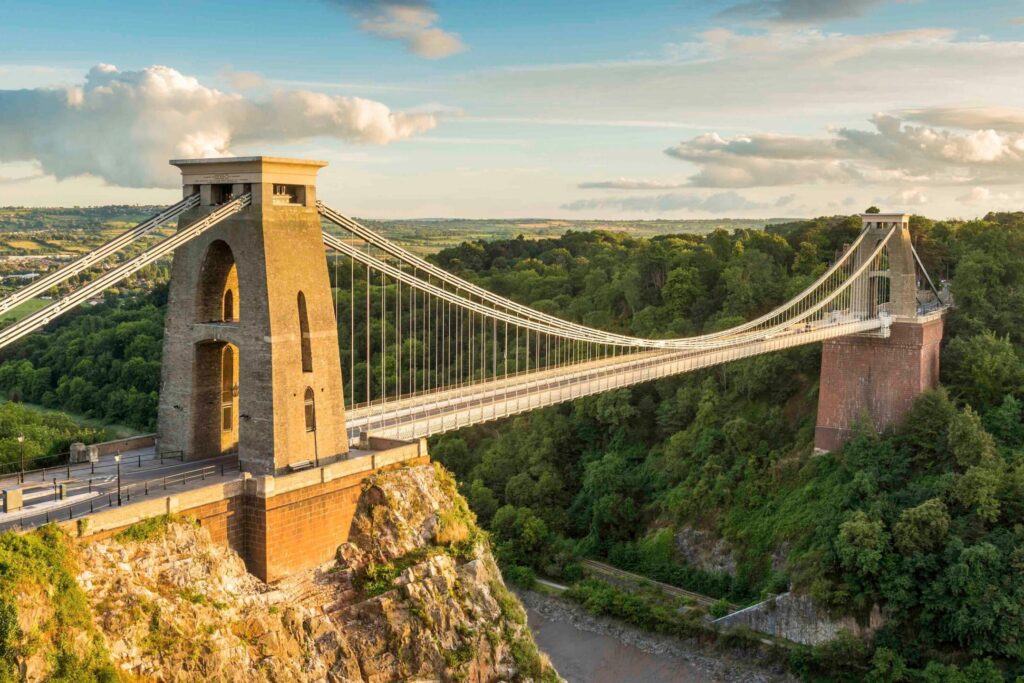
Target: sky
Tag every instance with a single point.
(526, 109)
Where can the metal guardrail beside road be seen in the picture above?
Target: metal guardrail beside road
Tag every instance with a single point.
(113, 496)
(40, 474)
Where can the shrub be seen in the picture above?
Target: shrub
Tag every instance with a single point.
(520, 576)
(719, 608)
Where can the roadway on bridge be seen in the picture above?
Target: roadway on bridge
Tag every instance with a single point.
(432, 413)
(93, 487)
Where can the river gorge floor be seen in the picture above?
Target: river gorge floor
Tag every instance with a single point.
(589, 649)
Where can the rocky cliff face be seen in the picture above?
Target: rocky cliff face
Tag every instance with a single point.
(414, 595)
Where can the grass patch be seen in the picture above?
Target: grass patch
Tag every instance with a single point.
(148, 529)
(510, 608)
(42, 563)
(24, 309)
(452, 528)
(107, 431)
(379, 577)
(23, 245)
(456, 528)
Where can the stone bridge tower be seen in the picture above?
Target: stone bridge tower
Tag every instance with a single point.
(872, 379)
(250, 358)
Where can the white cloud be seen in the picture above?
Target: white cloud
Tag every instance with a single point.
(993, 200)
(407, 21)
(800, 11)
(995, 117)
(123, 126)
(912, 196)
(627, 184)
(893, 152)
(976, 195)
(18, 180)
(243, 80)
(722, 202)
(721, 74)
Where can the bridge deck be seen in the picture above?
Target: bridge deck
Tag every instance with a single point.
(433, 413)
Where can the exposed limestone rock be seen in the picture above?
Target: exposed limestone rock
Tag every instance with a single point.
(702, 549)
(399, 605)
(795, 617)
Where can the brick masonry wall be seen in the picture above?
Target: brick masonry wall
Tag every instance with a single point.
(277, 534)
(302, 528)
(875, 380)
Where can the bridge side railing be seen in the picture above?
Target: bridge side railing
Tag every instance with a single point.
(11, 470)
(803, 323)
(112, 497)
(450, 414)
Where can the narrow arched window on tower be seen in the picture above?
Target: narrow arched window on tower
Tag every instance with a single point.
(307, 351)
(310, 402)
(227, 388)
(229, 306)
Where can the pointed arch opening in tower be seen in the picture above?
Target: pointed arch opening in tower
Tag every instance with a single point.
(217, 296)
(216, 398)
(304, 340)
(309, 405)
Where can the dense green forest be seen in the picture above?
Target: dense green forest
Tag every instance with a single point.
(925, 521)
(101, 362)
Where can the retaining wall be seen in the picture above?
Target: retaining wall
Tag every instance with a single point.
(279, 525)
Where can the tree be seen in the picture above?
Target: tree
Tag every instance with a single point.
(983, 368)
(887, 667)
(968, 440)
(861, 544)
(922, 528)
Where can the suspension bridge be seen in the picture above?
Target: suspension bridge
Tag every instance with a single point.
(303, 351)
(423, 351)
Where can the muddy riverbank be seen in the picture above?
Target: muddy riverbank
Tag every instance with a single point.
(589, 649)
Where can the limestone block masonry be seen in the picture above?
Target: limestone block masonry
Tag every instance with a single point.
(250, 359)
(874, 381)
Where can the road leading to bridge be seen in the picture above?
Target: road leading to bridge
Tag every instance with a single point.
(89, 489)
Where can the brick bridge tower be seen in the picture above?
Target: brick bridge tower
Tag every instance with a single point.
(873, 378)
(250, 358)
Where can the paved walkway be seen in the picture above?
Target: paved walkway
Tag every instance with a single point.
(91, 487)
(94, 486)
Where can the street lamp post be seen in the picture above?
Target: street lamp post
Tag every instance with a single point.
(21, 448)
(316, 448)
(117, 459)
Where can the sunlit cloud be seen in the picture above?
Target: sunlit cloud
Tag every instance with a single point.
(123, 126)
(410, 22)
(893, 152)
(996, 117)
(627, 184)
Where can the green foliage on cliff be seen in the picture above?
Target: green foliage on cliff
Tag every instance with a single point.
(154, 527)
(54, 627)
(924, 521)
